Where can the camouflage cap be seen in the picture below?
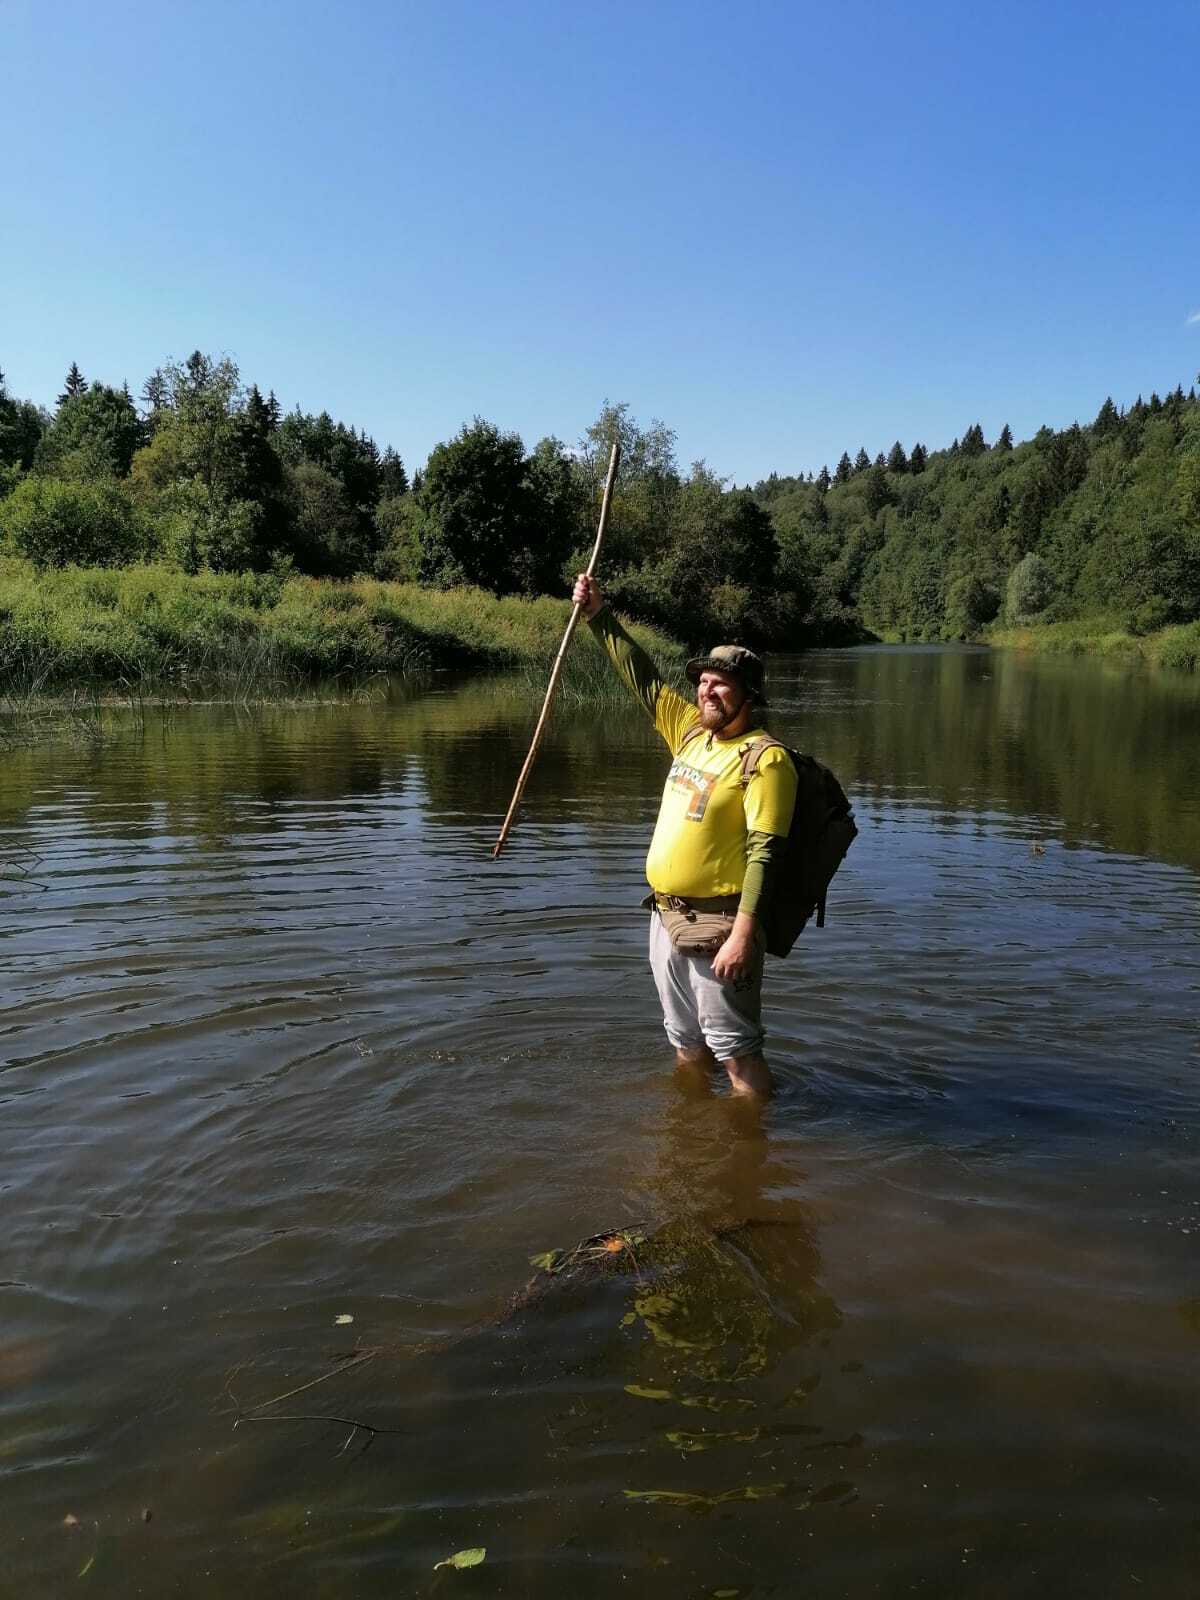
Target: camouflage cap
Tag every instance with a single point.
(735, 661)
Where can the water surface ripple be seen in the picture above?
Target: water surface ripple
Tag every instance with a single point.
(280, 1045)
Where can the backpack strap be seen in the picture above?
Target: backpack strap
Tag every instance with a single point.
(753, 753)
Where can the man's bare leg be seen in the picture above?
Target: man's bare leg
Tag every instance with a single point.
(748, 1075)
(694, 1065)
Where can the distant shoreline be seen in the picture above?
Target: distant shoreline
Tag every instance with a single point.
(154, 635)
(1176, 649)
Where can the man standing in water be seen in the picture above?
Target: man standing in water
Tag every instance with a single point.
(716, 845)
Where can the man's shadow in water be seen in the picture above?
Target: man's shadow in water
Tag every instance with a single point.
(712, 1284)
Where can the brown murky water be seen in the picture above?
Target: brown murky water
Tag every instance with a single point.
(281, 1046)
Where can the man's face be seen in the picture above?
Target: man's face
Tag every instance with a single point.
(719, 699)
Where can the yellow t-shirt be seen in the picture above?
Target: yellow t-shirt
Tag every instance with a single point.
(699, 844)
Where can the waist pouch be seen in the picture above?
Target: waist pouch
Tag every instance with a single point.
(695, 927)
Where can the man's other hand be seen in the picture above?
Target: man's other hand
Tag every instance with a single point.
(587, 595)
(735, 957)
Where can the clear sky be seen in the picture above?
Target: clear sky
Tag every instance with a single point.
(785, 229)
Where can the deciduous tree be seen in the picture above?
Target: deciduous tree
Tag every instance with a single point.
(94, 435)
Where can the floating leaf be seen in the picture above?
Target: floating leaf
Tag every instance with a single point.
(87, 1566)
(343, 1320)
(717, 1402)
(643, 1393)
(463, 1558)
(691, 1443)
(628, 1319)
(752, 1491)
(546, 1261)
(669, 1497)
(724, 1594)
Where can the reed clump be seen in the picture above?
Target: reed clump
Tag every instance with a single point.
(172, 633)
(1177, 647)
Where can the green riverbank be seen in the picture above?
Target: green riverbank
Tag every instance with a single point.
(1177, 648)
(166, 633)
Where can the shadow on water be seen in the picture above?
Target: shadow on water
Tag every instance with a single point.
(664, 1371)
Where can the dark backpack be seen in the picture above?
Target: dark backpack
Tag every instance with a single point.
(822, 831)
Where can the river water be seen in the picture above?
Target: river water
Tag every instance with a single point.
(281, 1046)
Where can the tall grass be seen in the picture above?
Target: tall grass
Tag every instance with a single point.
(588, 678)
(1177, 648)
(160, 631)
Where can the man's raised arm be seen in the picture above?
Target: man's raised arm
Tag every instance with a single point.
(665, 707)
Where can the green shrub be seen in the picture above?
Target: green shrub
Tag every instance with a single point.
(1029, 590)
(57, 524)
(1180, 648)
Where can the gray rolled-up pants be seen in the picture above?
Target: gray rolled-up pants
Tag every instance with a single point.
(698, 1009)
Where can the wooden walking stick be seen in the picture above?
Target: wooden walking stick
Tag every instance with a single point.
(556, 670)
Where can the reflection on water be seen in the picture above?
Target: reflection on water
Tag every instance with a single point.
(281, 1046)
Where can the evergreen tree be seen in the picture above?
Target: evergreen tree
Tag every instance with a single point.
(352, 457)
(862, 460)
(155, 395)
(393, 478)
(880, 461)
(75, 384)
(21, 428)
(916, 462)
(257, 412)
(878, 493)
(897, 461)
(823, 479)
(1005, 442)
(1107, 421)
(973, 442)
(274, 412)
(843, 471)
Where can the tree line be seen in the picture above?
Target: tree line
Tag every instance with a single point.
(1096, 520)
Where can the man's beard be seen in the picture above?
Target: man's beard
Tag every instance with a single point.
(714, 716)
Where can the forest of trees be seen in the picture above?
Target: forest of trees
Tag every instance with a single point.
(1093, 521)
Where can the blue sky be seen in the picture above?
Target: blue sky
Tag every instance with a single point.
(785, 229)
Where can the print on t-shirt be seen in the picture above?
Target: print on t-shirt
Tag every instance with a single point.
(691, 781)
